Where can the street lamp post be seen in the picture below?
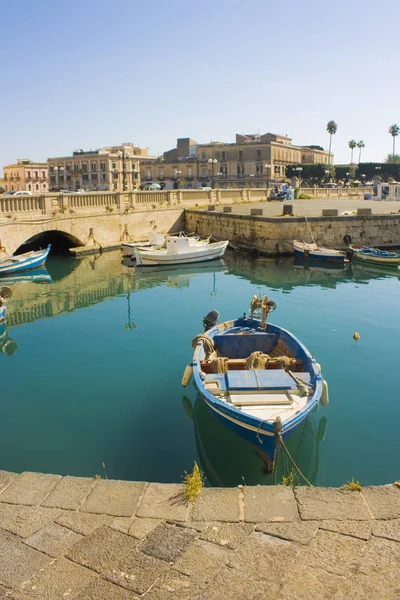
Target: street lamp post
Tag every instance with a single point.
(298, 171)
(268, 167)
(326, 175)
(124, 155)
(212, 162)
(58, 171)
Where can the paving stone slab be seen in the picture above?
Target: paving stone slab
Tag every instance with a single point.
(53, 539)
(141, 527)
(102, 548)
(19, 564)
(61, 579)
(69, 493)
(202, 561)
(334, 553)
(266, 503)
(382, 557)
(136, 571)
(384, 501)
(164, 501)
(174, 586)
(262, 553)
(387, 529)
(217, 504)
(168, 542)
(305, 583)
(8, 541)
(100, 589)
(357, 529)
(229, 535)
(367, 587)
(122, 524)
(26, 520)
(29, 488)
(317, 504)
(301, 533)
(5, 479)
(116, 498)
(83, 523)
(236, 585)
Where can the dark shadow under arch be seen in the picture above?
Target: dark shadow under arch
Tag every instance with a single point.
(60, 242)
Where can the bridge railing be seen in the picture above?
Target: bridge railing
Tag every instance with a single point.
(21, 204)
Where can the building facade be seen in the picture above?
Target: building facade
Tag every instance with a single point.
(26, 175)
(114, 168)
(251, 161)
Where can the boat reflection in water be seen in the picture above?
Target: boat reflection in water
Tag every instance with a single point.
(8, 346)
(229, 460)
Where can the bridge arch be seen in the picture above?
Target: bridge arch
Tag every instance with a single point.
(60, 241)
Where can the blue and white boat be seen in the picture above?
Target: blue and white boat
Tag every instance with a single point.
(375, 256)
(5, 294)
(257, 378)
(311, 251)
(24, 262)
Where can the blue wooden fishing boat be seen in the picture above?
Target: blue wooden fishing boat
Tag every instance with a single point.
(374, 256)
(311, 251)
(257, 378)
(24, 262)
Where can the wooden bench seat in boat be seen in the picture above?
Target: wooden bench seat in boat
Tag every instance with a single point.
(241, 345)
(256, 381)
(239, 364)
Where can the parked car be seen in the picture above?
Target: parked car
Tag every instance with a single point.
(23, 193)
(8, 194)
(205, 188)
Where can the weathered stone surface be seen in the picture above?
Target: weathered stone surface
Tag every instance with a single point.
(384, 502)
(302, 532)
(122, 524)
(202, 561)
(141, 527)
(265, 503)
(357, 529)
(318, 504)
(29, 488)
(26, 520)
(69, 493)
(382, 556)
(83, 523)
(387, 529)
(334, 553)
(303, 583)
(174, 586)
(262, 553)
(229, 535)
(4, 593)
(8, 541)
(59, 580)
(168, 542)
(101, 549)
(116, 498)
(100, 589)
(53, 539)
(366, 587)
(217, 504)
(20, 563)
(5, 479)
(164, 501)
(237, 585)
(136, 571)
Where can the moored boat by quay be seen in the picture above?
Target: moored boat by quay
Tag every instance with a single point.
(374, 256)
(24, 262)
(180, 250)
(311, 251)
(257, 378)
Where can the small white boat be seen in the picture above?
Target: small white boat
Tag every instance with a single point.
(180, 250)
(311, 251)
(156, 239)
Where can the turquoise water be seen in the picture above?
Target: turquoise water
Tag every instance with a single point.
(91, 368)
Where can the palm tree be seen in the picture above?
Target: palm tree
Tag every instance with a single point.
(352, 145)
(331, 128)
(394, 131)
(360, 145)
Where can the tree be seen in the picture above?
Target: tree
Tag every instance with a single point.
(394, 131)
(311, 174)
(392, 159)
(360, 146)
(352, 145)
(331, 128)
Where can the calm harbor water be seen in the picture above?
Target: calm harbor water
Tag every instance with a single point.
(91, 368)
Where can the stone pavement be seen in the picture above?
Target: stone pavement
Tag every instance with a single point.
(89, 539)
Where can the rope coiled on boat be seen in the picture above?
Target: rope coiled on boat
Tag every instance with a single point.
(207, 344)
(257, 360)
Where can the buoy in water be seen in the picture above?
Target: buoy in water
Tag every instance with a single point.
(325, 393)
(187, 375)
(356, 335)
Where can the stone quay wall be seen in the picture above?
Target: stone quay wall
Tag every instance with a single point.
(263, 233)
(90, 539)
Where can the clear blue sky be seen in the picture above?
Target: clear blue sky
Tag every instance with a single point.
(88, 73)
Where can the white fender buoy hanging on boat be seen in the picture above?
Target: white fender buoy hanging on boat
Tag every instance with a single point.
(187, 375)
(325, 393)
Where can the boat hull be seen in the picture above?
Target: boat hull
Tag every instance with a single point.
(317, 253)
(201, 254)
(2, 313)
(376, 257)
(24, 262)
